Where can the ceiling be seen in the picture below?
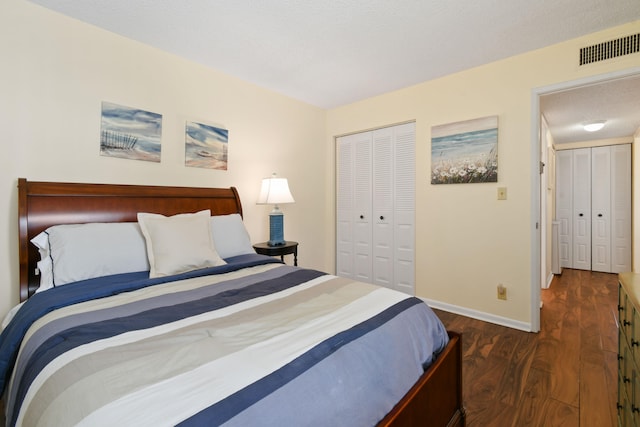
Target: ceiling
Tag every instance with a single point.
(333, 52)
(617, 102)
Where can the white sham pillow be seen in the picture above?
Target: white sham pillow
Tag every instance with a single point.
(76, 252)
(230, 237)
(178, 243)
(45, 266)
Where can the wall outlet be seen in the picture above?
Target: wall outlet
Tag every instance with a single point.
(502, 292)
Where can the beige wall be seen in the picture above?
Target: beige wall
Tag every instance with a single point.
(56, 72)
(635, 202)
(467, 242)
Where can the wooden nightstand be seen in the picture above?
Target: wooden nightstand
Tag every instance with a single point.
(280, 250)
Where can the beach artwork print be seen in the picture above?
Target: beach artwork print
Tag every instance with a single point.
(130, 133)
(206, 146)
(465, 152)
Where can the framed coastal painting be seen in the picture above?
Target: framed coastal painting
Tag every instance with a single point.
(465, 152)
(130, 133)
(206, 146)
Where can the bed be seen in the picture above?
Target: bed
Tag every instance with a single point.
(239, 340)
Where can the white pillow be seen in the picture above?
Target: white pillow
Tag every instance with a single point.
(179, 243)
(84, 251)
(45, 266)
(230, 236)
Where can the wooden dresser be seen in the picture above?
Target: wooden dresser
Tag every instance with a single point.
(629, 350)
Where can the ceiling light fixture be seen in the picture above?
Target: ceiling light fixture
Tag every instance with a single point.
(594, 126)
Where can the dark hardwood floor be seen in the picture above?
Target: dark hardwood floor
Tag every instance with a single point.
(566, 375)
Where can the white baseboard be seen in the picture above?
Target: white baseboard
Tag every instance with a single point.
(479, 315)
(549, 280)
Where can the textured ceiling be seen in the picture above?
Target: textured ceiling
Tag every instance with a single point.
(333, 52)
(616, 101)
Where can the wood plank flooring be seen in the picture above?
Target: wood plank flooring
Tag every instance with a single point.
(565, 375)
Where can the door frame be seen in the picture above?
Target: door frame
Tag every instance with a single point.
(538, 253)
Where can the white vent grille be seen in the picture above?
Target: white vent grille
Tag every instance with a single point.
(610, 49)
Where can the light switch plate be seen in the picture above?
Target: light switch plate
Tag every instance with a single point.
(502, 193)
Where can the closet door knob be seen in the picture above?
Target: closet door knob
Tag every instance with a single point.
(580, 214)
(361, 216)
(381, 217)
(599, 215)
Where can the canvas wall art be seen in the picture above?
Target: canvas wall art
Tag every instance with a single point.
(206, 146)
(130, 133)
(465, 152)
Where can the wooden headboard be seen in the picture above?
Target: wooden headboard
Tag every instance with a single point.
(43, 204)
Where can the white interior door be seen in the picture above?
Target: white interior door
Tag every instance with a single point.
(404, 194)
(345, 207)
(564, 206)
(362, 212)
(353, 213)
(582, 209)
(601, 209)
(621, 208)
(383, 207)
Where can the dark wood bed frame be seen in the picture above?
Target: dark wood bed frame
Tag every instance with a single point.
(435, 399)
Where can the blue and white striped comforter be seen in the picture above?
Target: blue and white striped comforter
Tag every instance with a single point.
(250, 343)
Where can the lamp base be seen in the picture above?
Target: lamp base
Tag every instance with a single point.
(276, 229)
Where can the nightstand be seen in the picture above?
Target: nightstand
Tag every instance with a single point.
(280, 250)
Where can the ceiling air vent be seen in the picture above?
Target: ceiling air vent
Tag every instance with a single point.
(611, 49)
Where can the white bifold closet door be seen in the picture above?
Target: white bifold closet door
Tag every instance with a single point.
(593, 207)
(353, 200)
(375, 200)
(621, 208)
(601, 208)
(582, 209)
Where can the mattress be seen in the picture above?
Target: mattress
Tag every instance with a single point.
(252, 342)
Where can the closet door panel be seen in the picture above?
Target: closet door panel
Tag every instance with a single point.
(383, 207)
(621, 208)
(582, 209)
(404, 267)
(362, 202)
(353, 200)
(564, 206)
(344, 250)
(601, 209)
(345, 208)
(404, 227)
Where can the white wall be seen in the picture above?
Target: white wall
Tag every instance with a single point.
(55, 73)
(467, 242)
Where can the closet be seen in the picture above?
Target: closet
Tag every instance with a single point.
(593, 208)
(375, 207)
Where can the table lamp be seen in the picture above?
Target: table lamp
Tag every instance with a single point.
(275, 191)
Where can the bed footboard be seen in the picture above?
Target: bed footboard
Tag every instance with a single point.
(436, 399)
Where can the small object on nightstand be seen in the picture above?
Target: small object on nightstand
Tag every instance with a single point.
(289, 247)
(275, 191)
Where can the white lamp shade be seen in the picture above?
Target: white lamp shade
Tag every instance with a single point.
(275, 191)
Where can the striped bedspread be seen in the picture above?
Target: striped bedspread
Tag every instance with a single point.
(250, 343)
